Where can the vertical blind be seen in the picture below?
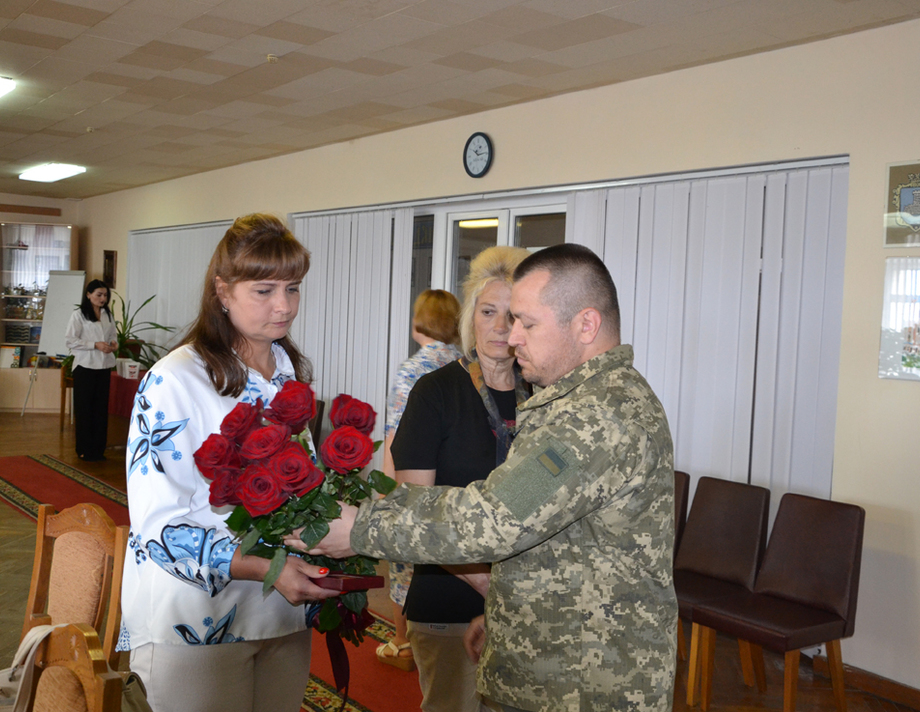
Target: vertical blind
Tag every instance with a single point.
(170, 264)
(731, 293)
(354, 316)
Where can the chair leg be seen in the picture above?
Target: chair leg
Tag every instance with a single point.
(790, 680)
(760, 675)
(835, 663)
(693, 667)
(707, 659)
(681, 641)
(747, 662)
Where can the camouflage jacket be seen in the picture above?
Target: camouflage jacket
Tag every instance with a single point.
(579, 520)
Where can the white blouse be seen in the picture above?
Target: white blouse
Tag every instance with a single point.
(81, 337)
(177, 587)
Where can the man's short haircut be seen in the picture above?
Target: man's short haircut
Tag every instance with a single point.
(578, 280)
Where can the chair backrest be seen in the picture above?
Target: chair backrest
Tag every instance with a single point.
(814, 555)
(76, 572)
(726, 531)
(72, 674)
(681, 495)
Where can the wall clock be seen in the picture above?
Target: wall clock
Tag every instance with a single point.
(478, 154)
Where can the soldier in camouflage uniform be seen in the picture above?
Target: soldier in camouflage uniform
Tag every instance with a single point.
(581, 613)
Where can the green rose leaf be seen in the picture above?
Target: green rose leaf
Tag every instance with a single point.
(381, 482)
(314, 532)
(274, 570)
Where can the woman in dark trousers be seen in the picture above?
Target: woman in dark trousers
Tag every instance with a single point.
(91, 338)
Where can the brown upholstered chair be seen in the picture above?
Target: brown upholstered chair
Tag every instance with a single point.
(76, 573)
(681, 495)
(720, 552)
(72, 675)
(805, 594)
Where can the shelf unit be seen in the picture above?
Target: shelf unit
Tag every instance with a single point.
(27, 254)
(20, 323)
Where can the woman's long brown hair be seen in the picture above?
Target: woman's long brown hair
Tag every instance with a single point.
(256, 247)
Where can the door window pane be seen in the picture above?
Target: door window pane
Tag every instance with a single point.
(470, 238)
(422, 241)
(538, 231)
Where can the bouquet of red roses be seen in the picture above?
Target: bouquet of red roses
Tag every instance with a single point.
(267, 471)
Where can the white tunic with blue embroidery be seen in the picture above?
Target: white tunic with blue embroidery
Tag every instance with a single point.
(177, 587)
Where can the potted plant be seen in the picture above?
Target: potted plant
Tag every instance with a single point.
(128, 330)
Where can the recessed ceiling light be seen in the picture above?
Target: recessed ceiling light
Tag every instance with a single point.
(6, 85)
(51, 172)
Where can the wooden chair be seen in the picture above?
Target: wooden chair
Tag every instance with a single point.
(805, 594)
(681, 495)
(72, 674)
(76, 573)
(719, 555)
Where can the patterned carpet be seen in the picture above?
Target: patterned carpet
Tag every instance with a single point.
(379, 687)
(27, 481)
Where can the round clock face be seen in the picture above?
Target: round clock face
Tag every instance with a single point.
(477, 155)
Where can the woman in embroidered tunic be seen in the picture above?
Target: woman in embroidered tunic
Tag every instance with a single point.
(201, 633)
(90, 336)
(434, 329)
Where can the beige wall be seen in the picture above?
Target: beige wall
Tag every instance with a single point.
(851, 95)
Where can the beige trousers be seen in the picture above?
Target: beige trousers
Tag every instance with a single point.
(249, 676)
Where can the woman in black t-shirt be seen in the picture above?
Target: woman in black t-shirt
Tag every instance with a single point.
(457, 426)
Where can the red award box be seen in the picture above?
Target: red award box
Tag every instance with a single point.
(348, 582)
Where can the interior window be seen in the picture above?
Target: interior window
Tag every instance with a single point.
(538, 231)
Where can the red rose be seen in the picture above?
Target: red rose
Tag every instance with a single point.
(294, 406)
(295, 468)
(265, 442)
(241, 421)
(224, 487)
(260, 490)
(346, 449)
(216, 452)
(350, 411)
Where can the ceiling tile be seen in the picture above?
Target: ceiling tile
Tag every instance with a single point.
(574, 32)
(522, 18)
(460, 38)
(467, 61)
(374, 67)
(64, 12)
(11, 9)
(95, 50)
(443, 12)
(294, 32)
(31, 39)
(224, 27)
(46, 26)
(390, 31)
(261, 13)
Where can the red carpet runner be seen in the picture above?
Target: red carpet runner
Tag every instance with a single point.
(26, 482)
(374, 686)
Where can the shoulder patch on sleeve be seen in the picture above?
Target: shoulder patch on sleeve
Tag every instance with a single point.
(535, 479)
